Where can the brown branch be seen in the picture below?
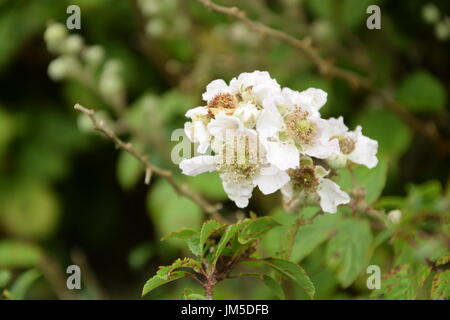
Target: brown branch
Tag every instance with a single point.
(327, 68)
(149, 167)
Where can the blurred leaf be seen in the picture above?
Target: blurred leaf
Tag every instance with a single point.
(31, 211)
(422, 92)
(373, 180)
(396, 285)
(189, 295)
(128, 170)
(394, 141)
(440, 288)
(23, 283)
(309, 237)
(423, 273)
(5, 277)
(208, 184)
(169, 211)
(15, 254)
(354, 12)
(7, 128)
(270, 282)
(156, 281)
(293, 272)
(140, 255)
(348, 252)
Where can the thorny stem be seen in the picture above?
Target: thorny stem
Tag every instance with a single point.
(327, 68)
(149, 167)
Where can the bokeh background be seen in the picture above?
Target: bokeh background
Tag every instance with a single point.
(67, 196)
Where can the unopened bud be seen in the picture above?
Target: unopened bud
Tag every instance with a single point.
(73, 44)
(94, 55)
(54, 36)
(430, 13)
(395, 216)
(61, 67)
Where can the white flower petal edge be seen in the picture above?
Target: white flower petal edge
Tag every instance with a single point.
(240, 193)
(365, 150)
(196, 131)
(331, 196)
(214, 88)
(271, 179)
(198, 165)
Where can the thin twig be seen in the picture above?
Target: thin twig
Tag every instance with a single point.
(149, 167)
(327, 68)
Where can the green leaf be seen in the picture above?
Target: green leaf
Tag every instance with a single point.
(189, 295)
(128, 170)
(208, 229)
(166, 271)
(170, 212)
(193, 244)
(422, 92)
(209, 184)
(394, 141)
(396, 285)
(229, 233)
(23, 283)
(156, 281)
(372, 180)
(293, 272)
(15, 254)
(348, 252)
(273, 285)
(269, 281)
(181, 234)
(440, 288)
(254, 228)
(423, 273)
(5, 277)
(309, 237)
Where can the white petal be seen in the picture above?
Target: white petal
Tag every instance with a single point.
(199, 111)
(215, 87)
(331, 196)
(197, 165)
(322, 148)
(335, 127)
(270, 120)
(365, 150)
(288, 192)
(283, 155)
(240, 193)
(269, 183)
(315, 98)
(219, 126)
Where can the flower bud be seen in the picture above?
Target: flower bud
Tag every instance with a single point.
(73, 44)
(54, 36)
(61, 67)
(442, 30)
(395, 216)
(430, 13)
(94, 55)
(336, 161)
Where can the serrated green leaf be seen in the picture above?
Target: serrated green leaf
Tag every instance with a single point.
(184, 233)
(422, 92)
(423, 273)
(166, 271)
(156, 281)
(396, 285)
(208, 229)
(269, 281)
(349, 251)
(252, 229)
(229, 233)
(440, 287)
(293, 272)
(193, 244)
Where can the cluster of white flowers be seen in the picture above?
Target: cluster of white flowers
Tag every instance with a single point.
(255, 133)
